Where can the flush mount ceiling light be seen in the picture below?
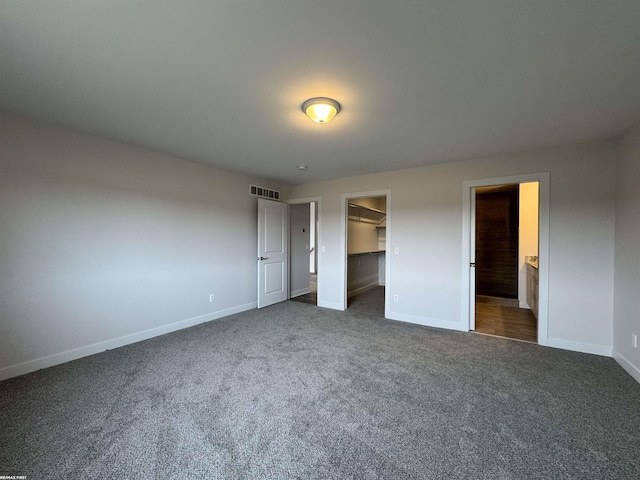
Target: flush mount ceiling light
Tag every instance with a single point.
(302, 167)
(321, 109)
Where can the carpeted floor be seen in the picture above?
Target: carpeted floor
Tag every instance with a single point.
(295, 391)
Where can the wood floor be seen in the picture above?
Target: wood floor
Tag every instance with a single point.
(505, 302)
(509, 322)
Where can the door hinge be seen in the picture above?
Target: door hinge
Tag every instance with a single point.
(472, 264)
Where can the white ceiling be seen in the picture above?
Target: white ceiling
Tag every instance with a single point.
(420, 82)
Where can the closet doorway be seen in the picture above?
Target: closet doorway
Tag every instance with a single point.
(366, 261)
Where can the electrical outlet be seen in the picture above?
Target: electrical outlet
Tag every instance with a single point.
(634, 340)
(395, 297)
(396, 251)
(212, 298)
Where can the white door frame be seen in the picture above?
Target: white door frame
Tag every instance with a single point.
(318, 202)
(472, 259)
(468, 305)
(344, 218)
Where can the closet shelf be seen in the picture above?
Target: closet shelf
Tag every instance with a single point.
(374, 252)
(359, 213)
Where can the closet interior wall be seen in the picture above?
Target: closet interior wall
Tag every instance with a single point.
(366, 244)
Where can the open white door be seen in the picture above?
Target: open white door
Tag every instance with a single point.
(273, 252)
(472, 262)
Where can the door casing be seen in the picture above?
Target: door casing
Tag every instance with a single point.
(343, 245)
(468, 254)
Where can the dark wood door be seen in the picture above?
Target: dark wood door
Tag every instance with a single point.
(497, 241)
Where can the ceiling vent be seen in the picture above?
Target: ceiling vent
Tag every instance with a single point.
(264, 192)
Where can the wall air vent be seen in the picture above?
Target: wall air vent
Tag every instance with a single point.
(264, 192)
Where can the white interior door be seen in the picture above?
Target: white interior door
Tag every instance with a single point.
(273, 252)
(472, 264)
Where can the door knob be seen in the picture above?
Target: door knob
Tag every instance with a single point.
(263, 258)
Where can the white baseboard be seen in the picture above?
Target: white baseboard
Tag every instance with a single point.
(627, 365)
(360, 290)
(579, 347)
(331, 305)
(426, 321)
(63, 357)
(302, 291)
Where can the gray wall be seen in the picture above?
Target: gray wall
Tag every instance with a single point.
(426, 227)
(104, 244)
(627, 256)
(363, 273)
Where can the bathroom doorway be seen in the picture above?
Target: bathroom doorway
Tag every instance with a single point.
(508, 284)
(506, 241)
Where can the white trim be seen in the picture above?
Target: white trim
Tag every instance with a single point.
(302, 291)
(630, 368)
(472, 258)
(579, 347)
(298, 201)
(426, 321)
(331, 305)
(387, 257)
(360, 290)
(343, 246)
(63, 357)
(543, 249)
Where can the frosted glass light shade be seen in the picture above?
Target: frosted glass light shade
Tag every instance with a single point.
(321, 109)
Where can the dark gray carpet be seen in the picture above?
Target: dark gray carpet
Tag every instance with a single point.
(294, 391)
